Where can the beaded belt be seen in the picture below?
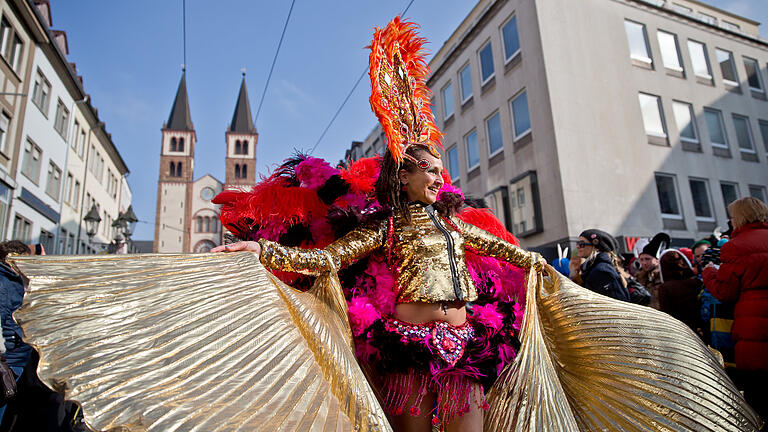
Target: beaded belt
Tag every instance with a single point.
(449, 341)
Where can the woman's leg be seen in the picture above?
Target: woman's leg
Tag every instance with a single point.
(407, 422)
(471, 421)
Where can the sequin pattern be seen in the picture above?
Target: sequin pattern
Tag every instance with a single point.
(418, 251)
(449, 341)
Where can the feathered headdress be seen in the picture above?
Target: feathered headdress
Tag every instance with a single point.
(400, 97)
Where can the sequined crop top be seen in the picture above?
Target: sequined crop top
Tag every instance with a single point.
(427, 255)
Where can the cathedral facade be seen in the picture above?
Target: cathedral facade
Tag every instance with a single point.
(185, 218)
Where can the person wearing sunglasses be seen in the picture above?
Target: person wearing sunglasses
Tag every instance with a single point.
(599, 266)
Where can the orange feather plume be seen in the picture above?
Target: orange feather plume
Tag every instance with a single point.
(400, 97)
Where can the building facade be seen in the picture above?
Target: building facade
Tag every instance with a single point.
(47, 139)
(185, 219)
(654, 120)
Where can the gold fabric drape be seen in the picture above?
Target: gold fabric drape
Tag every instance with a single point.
(215, 343)
(207, 342)
(592, 363)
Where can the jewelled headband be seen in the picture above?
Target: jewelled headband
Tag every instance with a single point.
(400, 97)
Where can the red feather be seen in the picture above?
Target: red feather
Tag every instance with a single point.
(485, 219)
(362, 174)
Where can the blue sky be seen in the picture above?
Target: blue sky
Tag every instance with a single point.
(130, 56)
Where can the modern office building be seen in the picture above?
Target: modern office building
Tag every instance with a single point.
(632, 116)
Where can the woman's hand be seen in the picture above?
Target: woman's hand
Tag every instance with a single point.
(249, 246)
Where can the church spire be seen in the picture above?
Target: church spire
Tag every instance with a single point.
(180, 118)
(242, 122)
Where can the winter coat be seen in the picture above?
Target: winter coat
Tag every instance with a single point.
(598, 275)
(11, 294)
(680, 298)
(743, 278)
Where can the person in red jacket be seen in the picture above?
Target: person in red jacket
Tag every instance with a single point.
(743, 278)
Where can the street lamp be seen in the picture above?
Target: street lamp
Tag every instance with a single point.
(130, 220)
(92, 220)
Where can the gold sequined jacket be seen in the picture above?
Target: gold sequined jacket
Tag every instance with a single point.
(427, 254)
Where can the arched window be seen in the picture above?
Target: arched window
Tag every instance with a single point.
(173, 169)
(214, 224)
(244, 171)
(245, 148)
(237, 171)
(173, 144)
(181, 144)
(238, 147)
(207, 224)
(178, 169)
(199, 224)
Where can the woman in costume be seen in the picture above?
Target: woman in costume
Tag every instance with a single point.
(214, 342)
(425, 245)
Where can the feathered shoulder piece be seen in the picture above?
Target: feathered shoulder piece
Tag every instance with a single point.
(400, 97)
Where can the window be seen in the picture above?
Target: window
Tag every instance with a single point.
(237, 171)
(668, 196)
(174, 145)
(30, 165)
(685, 123)
(730, 194)
(67, 198)
(245, 146)
(465, 79)
(238, 147)
(199, 224)
(178, 169)
(511, 39)
(521, 118)
(41, 92)
(75, 135)
(53, 186)
(13, 52)
(764, 133)
(473, 157)
(685, 10)
(638, 42)
(486, 63)
(71, 243)
(753, 74)
(5, 34)
(727, 67)
(46, 240)
(493, 128)
(81, 144)
(181, 145)
(715, 127)
(709, 19)
(172, 170)
(743, 133)
(699, 59)
(702, 205)
(730, 26)
(5, 123)
(207, 224)
(447, 93)
(453, 163)
(22, 229)
(670, 52)
(76, 195)
(757, 192)
(653, 117)
(62, 242)
(62, 117)
(5, 198)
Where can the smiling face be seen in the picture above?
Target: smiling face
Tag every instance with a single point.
(422, 185)
(584, 248)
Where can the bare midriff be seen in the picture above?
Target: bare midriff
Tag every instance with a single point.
(454, 313)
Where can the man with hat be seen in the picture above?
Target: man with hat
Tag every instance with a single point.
(649, 274)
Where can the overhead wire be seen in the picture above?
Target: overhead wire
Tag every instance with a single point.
(346, 99)
(274, 60)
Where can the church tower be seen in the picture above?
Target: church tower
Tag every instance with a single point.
(241, 138)
(174, 186)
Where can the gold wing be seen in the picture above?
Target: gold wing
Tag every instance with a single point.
(209, 342)
(591, 363)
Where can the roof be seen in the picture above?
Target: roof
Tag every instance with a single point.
(180, 118)
(242, 121)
